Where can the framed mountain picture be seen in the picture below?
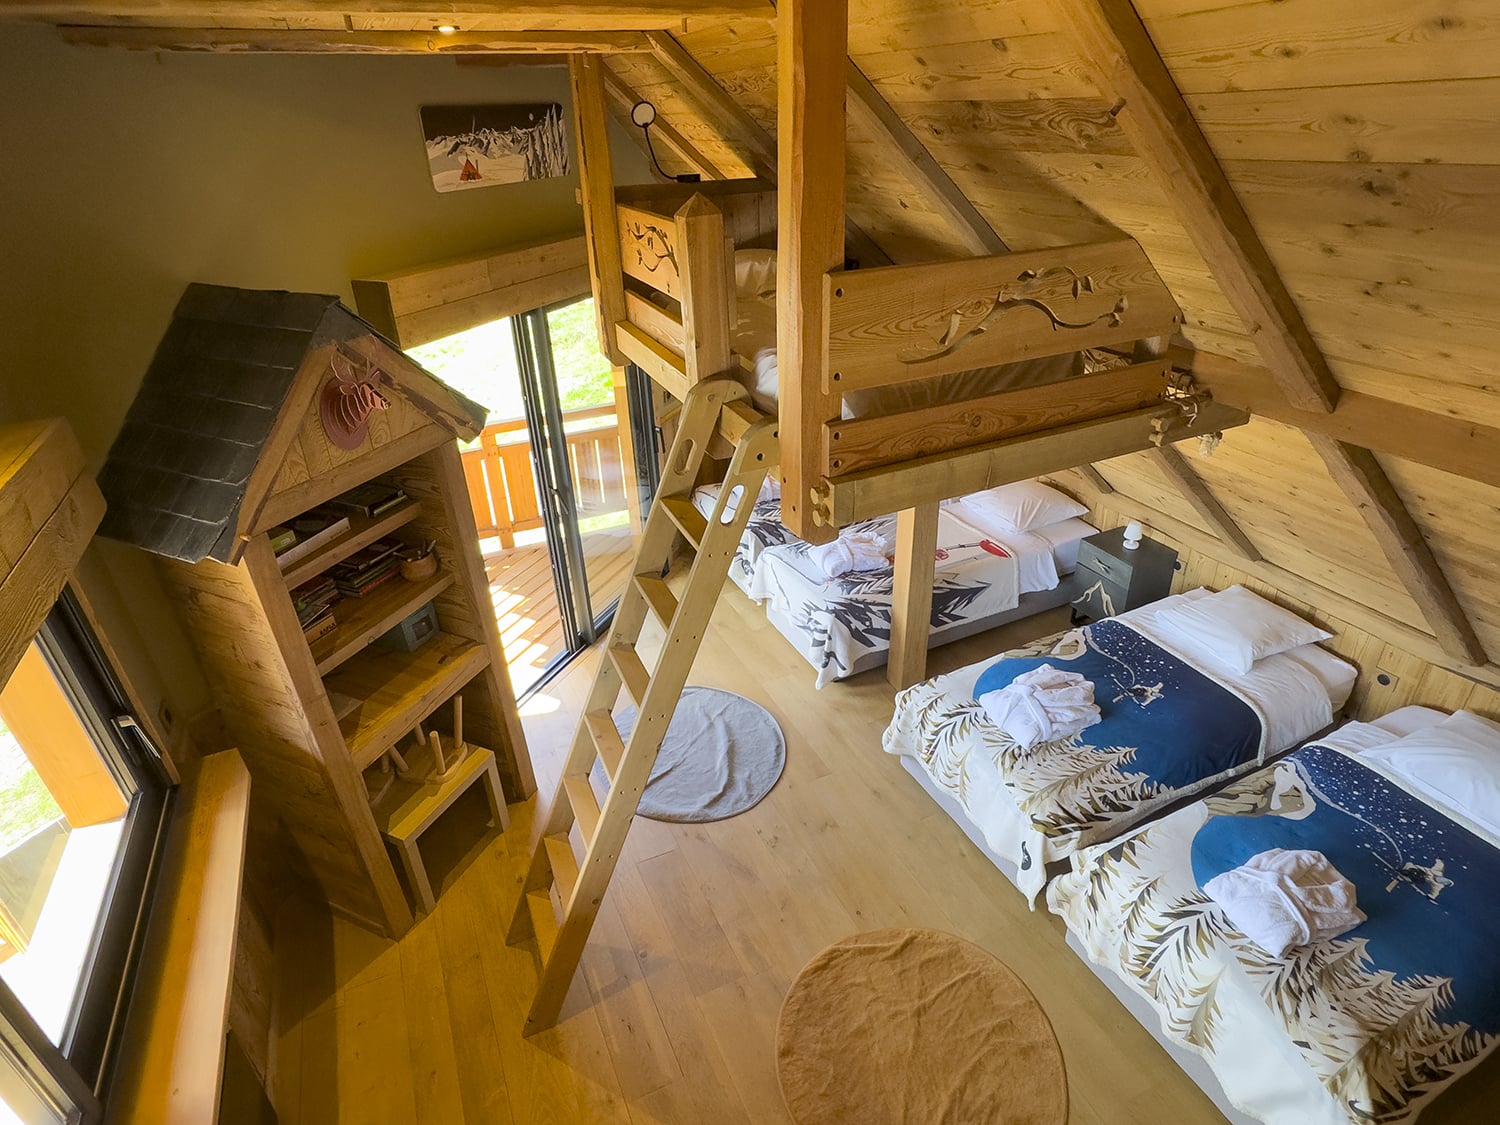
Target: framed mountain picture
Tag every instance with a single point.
(470, 146)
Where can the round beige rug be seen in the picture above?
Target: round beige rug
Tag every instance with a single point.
(916, 1027)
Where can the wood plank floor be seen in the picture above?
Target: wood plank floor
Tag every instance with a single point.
(673, 1017)
(525, 599)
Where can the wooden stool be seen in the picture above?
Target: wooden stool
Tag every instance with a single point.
(410, 813)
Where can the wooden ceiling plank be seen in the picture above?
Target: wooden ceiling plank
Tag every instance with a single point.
(230, 41)
(1095, 479)
(581, 13)
(624, 99)
(920, 168)
(1356, 471)
(1152, 113)
(1202, 500)
(705, 92)
(1398, 429)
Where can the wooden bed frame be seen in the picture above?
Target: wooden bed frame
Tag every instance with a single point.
(661, 261)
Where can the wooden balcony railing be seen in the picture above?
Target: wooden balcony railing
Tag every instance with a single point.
(502, 483)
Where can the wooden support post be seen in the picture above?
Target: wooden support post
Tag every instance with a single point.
(597, 183)
(1203, 501)
(706, 291)
(812, 38)
(1153, 115)
(918, 165)
(1359, 475)
(911, 601)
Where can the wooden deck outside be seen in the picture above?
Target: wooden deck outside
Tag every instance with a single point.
(525, 599)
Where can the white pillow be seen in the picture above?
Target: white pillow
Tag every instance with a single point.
(1335, 674)
(1024, 505)
(1456, 763)
(1229, 631)
(754, 273)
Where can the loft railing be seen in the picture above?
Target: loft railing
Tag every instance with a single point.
(502, 483)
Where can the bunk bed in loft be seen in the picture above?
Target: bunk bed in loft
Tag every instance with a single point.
(896, 387)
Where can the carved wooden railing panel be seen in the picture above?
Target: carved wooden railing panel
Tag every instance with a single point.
(900, 323)
(649, 250)
(502, 484)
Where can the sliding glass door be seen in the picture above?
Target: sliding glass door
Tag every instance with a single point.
(557, 478)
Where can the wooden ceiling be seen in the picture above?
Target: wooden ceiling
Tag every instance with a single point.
(1361, 137)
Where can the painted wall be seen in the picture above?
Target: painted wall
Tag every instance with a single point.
(128, 175)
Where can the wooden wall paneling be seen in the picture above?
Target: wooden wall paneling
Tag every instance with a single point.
(1161, 127)
(1201, 497)
(911, 602)
(812, 38)
(623, 99)
(1357, 471)
(490, 713)
(1095, 478)
(426, 303)
(283, 744)
(734, 122)
(597, 184)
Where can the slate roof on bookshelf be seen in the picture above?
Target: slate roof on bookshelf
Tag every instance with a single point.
(177, 474)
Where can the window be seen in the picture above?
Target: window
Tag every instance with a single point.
(82, 808)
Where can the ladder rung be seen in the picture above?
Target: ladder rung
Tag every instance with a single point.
(631, 670)
(584, 803)
(543, 920)
(735, 419)
(607, 742)
(564, 865)
(689, 520)
(659, 597)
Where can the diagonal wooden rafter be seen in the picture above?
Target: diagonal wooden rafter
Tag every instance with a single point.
(310, 41)
(624, 99)
(1095, 479)
(1359, 474)
(921, 168)
(1441, 441)
(1153, 115)
(1202, 500)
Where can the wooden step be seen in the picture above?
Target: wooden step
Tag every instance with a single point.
(659, 597)
(564, 865)
(736, 418)
(584, 803)
(689, 520)
(607, 742)
(628, 663)
(543, 920)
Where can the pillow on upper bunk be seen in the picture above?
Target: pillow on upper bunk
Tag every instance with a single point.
(754, 273)
(1336, 674)
(1456, 763)
(1229, 631)
(1024, 505)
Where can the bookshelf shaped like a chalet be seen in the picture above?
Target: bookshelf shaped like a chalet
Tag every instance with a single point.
(258, 408)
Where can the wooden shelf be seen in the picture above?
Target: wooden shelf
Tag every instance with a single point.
(400, 689)
(361, 620)
(363, 531)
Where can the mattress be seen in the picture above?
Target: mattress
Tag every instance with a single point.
(1365, 1027)
(941, 725)
(754, 340)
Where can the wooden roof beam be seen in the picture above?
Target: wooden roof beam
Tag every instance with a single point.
(624, 99)
(1202, 500)
(596, 181)
(520, 15)
(306, 41)
(1441, 441)
(1153, 115)
(921, 168)
(1357, 472)
(1095, 479)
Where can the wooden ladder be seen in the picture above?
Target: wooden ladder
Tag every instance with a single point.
(564, 886)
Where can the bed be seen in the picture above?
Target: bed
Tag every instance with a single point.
(1366, 1027)
(1172, 727)
(987, 573)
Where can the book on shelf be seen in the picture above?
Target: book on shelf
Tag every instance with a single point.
(371, 499)
(361, 587)
(367, 568)
(312, 599)
(320, 626)
(281, 538)
(312, 532)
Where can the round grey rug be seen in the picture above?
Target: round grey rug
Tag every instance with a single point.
(721, 755)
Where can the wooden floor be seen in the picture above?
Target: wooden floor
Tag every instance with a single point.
(673, 1017)
(525, 599)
